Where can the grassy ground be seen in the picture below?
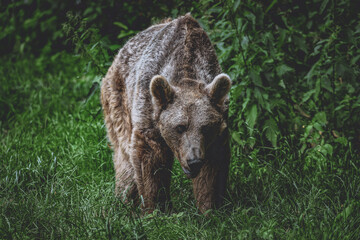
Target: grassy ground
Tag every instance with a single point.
(56, 175)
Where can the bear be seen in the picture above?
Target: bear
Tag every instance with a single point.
(165, 97)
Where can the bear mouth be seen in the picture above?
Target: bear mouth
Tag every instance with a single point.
(191, 174)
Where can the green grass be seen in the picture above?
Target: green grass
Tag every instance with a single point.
(56, 175)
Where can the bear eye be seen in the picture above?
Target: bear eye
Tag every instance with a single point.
(180, 129)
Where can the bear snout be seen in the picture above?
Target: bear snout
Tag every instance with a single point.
(194, 167)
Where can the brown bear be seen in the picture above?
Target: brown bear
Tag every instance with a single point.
(165, 96)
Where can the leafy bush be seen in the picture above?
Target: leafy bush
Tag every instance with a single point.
(35, 27)
(295, 71)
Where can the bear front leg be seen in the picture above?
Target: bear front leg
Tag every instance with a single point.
(125, 186)
(152, 161)
(210, 185)
(156, 187)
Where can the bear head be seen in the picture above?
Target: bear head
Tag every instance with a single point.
(190, 115)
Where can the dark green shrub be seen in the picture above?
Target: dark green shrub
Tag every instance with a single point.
(295, 71)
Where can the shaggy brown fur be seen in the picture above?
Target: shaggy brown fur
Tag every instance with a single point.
(165, 96)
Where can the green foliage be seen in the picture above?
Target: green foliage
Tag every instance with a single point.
(35, 27)
(88, 44)
(295, 68)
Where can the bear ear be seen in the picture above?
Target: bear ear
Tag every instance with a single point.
(219, 88)
(161, 91)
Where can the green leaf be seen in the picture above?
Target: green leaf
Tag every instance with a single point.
(237, 138)
(307, 95)
(236, 91)
(236, 5)
(271, 131)
(338, 108)
(256, 78)
(317, 89)
(326, 84)
(308, 130)
(323, 6)
(312, 71)
(283, 69)
(251, 116)
(125, 34)
(245, 42)
(343, 141)
(271, 5)
(119, 24)
(320, 117)
(355, 59)
(114, 47)
(318, 127)
(250, 16)
(259, 96)
(328, 148)
(247, 99)
(282, 84)
(300, 42)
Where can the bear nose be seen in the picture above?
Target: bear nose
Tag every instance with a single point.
(195, 165)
